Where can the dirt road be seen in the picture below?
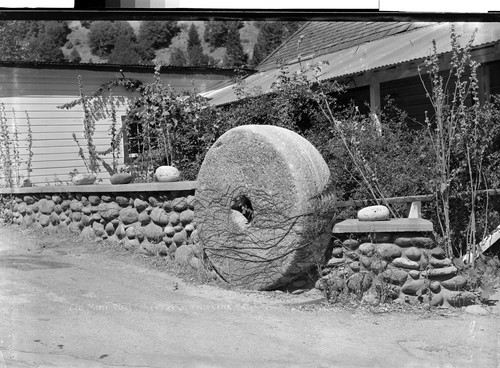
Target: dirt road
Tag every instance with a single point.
(63, 305)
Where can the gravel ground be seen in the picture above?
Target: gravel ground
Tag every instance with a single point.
(67, 303)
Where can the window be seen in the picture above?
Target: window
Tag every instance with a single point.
(494, 78)
(132, 144)
(359, 96)
(135, 139)
(409, 95)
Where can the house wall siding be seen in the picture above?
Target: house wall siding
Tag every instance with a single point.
(40, 92)
(55, 153)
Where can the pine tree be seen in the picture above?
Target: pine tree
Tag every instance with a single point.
(195, 54)
(235, 57)
(178, 58)
(193, 37)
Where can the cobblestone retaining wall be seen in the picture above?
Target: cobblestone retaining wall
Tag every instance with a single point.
(152, 219)
(409, 267)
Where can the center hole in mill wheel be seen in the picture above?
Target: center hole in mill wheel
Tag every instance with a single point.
(243, 205)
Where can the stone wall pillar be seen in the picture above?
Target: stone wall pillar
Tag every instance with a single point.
(398, 259)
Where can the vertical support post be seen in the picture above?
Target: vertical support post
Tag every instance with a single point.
(415, 210)
(483, 76)
(375, 103)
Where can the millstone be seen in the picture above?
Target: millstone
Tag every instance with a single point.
(254, 206)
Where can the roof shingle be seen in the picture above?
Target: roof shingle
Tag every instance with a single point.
(320, 38)
(360, 47)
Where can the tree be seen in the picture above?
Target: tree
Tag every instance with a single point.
(32, 40)
(12, 42)
(196, 57)
(235, 57)
(154, 35)
(193, 37)
(104, 34)
(157, 34)
(117, 42)
(271, 35)
(46, 50)
(195, 54)
(124, 52)
(57, 31)
(178, 57)
(146, 54)
(74, 57)
(46, 40)
(216, 32)
(86, 23)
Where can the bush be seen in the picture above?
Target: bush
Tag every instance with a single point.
(368, 159)
(176, 128)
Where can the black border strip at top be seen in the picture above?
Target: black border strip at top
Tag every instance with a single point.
(235, 14)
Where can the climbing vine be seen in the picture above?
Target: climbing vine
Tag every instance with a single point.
(100, 105)
(166, 127)
(171, 127)
(14, 159)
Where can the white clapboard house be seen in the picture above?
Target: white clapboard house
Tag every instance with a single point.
(39, 88)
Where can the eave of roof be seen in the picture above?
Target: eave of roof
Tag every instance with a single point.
(165, 69)
(381, 53)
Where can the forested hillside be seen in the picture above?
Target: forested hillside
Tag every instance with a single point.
(226, 44)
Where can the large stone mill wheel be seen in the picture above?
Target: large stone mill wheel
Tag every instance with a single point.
(254, 204)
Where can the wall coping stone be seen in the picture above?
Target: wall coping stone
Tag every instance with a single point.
(105, 188)
(392, 225)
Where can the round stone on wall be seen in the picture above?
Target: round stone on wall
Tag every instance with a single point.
(159, 216)
(128, 215)
(84, 179)
(167, 174)
(374, 213)
(121, 178)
